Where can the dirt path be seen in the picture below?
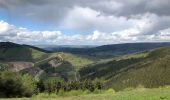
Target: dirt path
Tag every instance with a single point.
(41, 60)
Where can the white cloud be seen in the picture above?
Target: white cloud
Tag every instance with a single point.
(6, 29)
(84, 19)
(132, 34)
(163, 35)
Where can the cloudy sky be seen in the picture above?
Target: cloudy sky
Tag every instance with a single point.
(84, 22)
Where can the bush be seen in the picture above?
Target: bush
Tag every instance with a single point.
(110, 90)
(29, 85)
(16, 85)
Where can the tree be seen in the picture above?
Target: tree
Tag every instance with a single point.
(16, 85)
(58, 87)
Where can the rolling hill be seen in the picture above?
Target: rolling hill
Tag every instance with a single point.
(110, 51)
(39, 62)
(148, 68)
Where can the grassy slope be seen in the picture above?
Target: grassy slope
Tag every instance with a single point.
(150, 69)
(76, 60)
(137, 94)
(38, 55)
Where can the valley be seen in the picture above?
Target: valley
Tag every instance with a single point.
(148, 68)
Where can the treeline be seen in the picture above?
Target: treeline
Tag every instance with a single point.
(17, 85)
(52, 86)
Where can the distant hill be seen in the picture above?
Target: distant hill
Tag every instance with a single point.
(113, 50)
(56, 47)
(149, 68)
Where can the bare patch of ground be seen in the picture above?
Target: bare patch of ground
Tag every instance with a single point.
(55, 62)
(20, 65)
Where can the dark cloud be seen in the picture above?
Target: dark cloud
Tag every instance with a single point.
(53, 10)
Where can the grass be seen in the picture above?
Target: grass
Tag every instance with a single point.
(75, 60)
(36, 54)
(143, 54)
(134, 94)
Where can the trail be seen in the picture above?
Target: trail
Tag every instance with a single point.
(41, 60)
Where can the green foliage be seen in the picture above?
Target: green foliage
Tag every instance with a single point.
(106, 69)
(29, 85)
(4, 66)
(16, 85)
(147, 94)
(149, 69)
(37, 55)
(110, 90)
(55, 86)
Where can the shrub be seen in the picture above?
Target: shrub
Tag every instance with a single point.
(29, 85)
(16, 85)
(110, 90)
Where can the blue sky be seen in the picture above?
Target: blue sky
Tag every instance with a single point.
(89, 22)
(22, 21)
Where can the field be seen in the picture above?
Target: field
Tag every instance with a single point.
(128, 94)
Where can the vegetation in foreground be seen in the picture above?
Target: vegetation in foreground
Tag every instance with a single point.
(139, 93)
(14, 85)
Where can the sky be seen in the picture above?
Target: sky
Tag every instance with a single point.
(84, 22)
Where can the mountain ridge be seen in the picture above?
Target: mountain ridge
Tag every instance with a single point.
(112, 50)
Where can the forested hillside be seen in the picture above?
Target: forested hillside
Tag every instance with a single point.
(149, 68)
